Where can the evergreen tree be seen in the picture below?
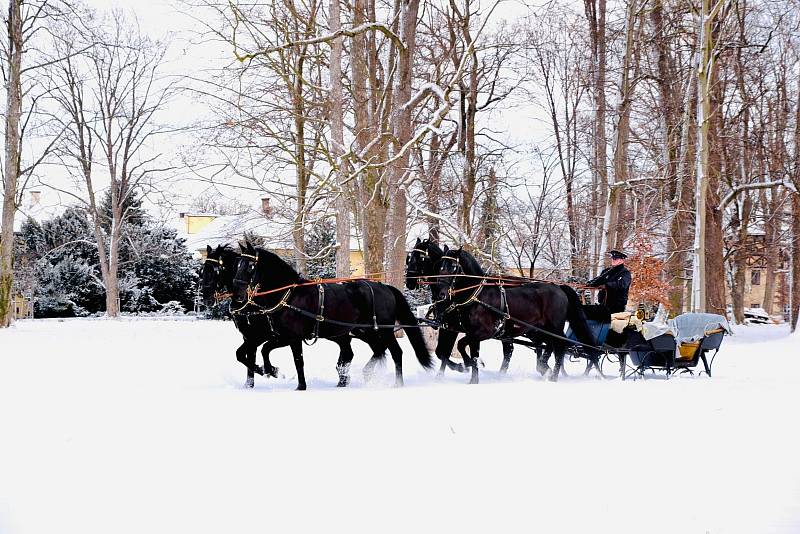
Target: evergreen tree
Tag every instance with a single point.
(157, 272)
(319, 242)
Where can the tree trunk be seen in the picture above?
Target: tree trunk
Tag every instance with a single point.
(794, 298)
(715, 285)
(705, 71)
(740, 260)
(596, 15)
(401, 122)
(679, 240)
(371, 194)
(612, 235)
(12, 162)
(337, 146)
(668, 101)
(469, 176)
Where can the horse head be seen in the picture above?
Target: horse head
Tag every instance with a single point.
(420, 262)
(217, 273)
(245, 271)
(448, 273)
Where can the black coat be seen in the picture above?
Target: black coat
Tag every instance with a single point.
(617, 281)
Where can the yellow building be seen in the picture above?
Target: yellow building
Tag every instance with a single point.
(207, 229)
(755, 277)
(23, 308)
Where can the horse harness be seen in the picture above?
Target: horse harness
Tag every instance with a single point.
(454, 306)
(319, 317)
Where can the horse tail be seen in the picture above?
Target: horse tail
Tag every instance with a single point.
(577, 317)
(406, 317)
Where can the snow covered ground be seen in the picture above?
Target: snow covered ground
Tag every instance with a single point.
(144, 426)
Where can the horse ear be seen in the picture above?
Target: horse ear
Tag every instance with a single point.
(418, 241)
(208, 250)
(445, 249)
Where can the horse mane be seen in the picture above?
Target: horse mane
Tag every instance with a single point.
(275, 269)
(226, 251)
(469, 263)
(432, 247)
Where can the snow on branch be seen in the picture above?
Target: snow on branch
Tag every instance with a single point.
(746, 187)
(440, 113)
(349, 32)
(424, 91)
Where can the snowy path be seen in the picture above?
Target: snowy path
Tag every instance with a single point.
(144, 427)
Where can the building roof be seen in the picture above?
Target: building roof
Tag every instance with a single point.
(228, 229)
(276, 231)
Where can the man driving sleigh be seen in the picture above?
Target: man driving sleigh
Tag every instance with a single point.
(614, 283)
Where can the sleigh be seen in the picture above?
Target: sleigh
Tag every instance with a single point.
(676, 347)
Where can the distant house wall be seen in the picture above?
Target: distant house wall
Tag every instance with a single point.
(755, 286)
(22, 307)
(356, 263)
(195, 223)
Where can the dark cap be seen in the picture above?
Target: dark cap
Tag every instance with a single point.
(617, 255)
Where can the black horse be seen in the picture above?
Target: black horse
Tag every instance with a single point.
(298, 310)
(487, 310)
(421, 262)
(219, 270)
(424, 261)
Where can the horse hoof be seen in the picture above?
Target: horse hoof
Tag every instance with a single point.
(273, 371)
(300, 387)
(250, 382)
(343, 383)
(553, 377)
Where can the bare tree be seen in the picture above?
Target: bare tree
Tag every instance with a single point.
(109, 96)
(26, 90)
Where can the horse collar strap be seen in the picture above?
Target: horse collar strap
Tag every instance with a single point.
(472, 298)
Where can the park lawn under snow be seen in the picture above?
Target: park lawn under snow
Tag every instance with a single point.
(143, 426)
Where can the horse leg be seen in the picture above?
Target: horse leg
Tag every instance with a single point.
(299, 365)
(378, 354)
(343, 365)
(470, 360)
(269, 369)
(444, 348)
(397, 356)
(508, 350)
(542, 356)
(558, 350)
(250, 381)
(246, 355)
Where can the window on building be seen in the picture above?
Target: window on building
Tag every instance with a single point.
(755, 277)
